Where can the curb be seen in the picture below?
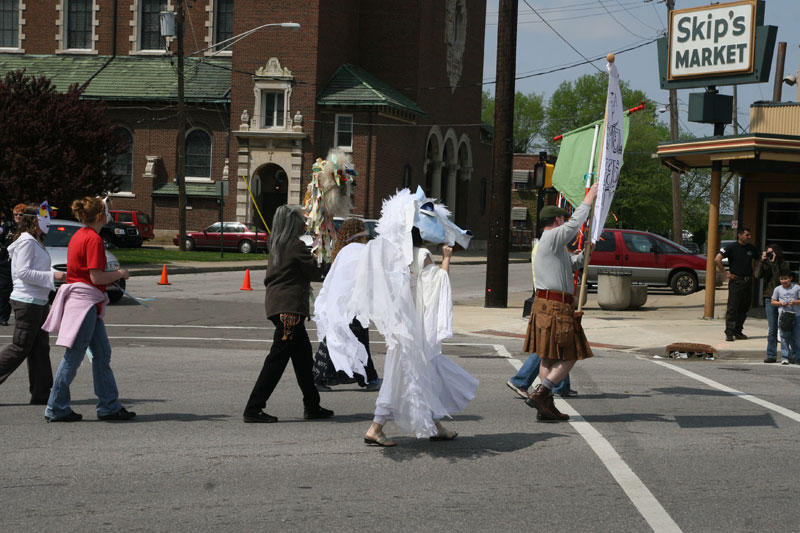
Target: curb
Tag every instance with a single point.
(151, 270)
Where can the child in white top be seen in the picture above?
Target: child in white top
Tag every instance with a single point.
(786, 297)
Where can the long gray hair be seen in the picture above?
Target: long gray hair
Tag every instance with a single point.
(287, 225)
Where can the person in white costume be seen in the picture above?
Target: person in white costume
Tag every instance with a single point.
(395, 283)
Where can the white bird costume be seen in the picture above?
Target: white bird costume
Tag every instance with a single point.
(410, 303)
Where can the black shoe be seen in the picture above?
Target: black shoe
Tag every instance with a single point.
(122, 414)
(317, 413)
(768, 360)
(71, 417)
(729, 338)
(321, 387)
(740, 337)
(4, 323)
(259, 418)
(35, 401)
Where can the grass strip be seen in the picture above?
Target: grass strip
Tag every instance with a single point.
(147, 256)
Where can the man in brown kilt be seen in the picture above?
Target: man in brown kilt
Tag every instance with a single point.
(554, 330)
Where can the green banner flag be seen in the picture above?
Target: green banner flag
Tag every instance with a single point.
(569, 175)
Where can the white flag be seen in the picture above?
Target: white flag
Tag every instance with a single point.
(611, 160)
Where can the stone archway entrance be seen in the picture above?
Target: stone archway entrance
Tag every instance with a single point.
(272, 191)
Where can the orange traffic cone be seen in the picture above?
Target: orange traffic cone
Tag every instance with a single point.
(246, 284)
(164, 279)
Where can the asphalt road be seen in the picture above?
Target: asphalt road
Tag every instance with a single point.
(654, 444)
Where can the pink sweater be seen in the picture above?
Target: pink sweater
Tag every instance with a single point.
(73, 301)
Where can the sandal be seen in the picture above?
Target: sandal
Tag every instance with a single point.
(380, 441)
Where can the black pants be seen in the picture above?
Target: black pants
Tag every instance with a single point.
(30, 342)
(739, 297)
(298, 349)
(6, 286)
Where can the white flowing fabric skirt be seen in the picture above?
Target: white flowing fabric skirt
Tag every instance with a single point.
(415, 402)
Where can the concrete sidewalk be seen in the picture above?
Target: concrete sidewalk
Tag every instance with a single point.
(665, 319)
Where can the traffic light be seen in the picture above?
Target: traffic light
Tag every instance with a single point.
(543, 173)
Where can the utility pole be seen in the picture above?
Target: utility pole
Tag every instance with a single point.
(180, 177)
(502, 158)
(735, 176)
(677, 218)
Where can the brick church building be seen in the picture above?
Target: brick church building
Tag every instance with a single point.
(395, 82)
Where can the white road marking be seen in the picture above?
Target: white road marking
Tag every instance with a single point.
(638, 493)
(719, 386)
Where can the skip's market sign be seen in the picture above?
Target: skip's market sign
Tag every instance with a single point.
(717, 39)
(720, 44)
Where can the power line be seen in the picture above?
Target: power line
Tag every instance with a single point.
(592, 12)
(624, 27)
(629, 12)
(562, 37)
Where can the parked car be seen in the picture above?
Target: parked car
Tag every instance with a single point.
(141, 220)
(61, 231)
(121, 235)
(235, 235)
(651, 259)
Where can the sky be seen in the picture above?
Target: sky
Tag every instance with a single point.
(589, 27)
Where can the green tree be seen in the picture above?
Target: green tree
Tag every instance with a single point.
(53, 145)
(529, 118)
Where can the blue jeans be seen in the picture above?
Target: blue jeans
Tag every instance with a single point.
(530, 369)
(772, 329)
(789, 342)
(91, 335)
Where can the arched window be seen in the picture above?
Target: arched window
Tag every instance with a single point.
(123, 162)
(198, 155)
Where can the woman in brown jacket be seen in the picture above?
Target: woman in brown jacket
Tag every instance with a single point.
(291, 270)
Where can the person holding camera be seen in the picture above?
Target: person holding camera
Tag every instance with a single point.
(768, 271)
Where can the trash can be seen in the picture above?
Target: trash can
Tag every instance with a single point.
(638, 296)
(614, 289)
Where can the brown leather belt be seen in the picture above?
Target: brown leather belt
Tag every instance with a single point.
(555, 296)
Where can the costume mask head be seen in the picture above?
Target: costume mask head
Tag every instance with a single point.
(43, 217)
(104, 199)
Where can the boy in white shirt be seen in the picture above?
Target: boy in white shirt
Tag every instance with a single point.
(786, 297)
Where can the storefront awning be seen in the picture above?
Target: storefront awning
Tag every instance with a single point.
(731, 150)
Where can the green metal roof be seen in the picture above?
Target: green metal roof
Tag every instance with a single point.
(351, 85)
(131, 78)
(192, 189)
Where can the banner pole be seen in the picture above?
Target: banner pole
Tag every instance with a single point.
(587, 253)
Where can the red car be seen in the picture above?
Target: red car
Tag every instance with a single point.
(651, 259)
(135, 218)
(234, 235)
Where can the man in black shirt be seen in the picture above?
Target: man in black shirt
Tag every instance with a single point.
(742, 257)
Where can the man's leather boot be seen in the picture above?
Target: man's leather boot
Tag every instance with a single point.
(559, 414)
(541, 399)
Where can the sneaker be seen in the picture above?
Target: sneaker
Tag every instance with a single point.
(259, 418)
(522, 393)
(121, 415)
(375, 385)
(768, 360)
(740, 337)
(71, 417)
(569, 394)
(316, 413)
(785, 362)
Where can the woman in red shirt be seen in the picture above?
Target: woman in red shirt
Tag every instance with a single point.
(77, 315)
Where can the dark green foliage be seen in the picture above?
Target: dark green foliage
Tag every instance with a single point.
(53, 145)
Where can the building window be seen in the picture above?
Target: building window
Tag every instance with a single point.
(79, 24)
(273, 105)
(150, 28)
(344, 131)
(223, 20)
(123, 162)
(198, 155)
(9, 23)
